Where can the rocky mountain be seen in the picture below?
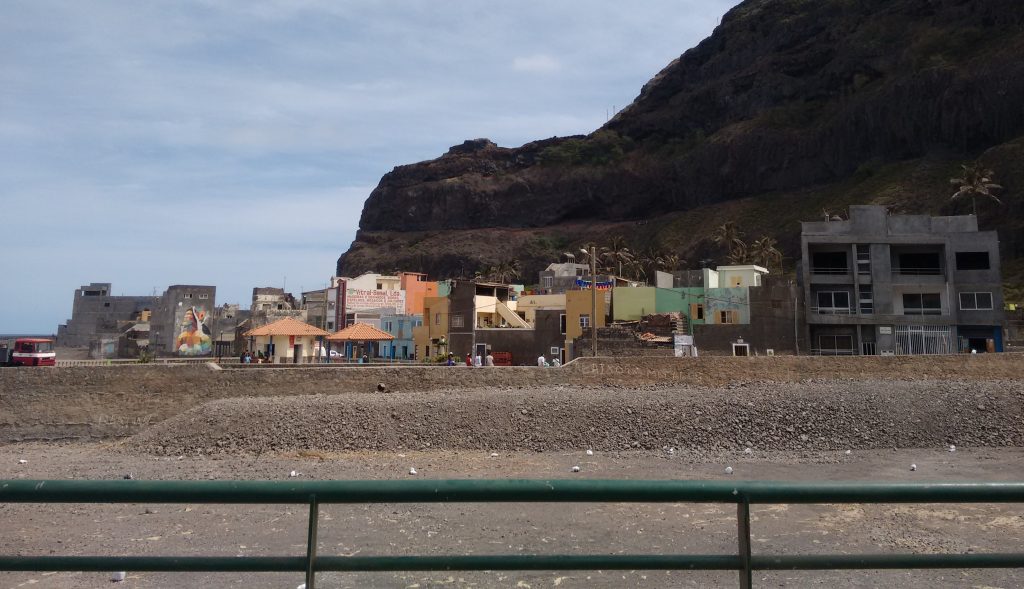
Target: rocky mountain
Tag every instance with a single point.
(788, 108)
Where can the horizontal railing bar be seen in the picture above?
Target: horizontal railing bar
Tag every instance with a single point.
(516, 562)
(502, 490)
(888, 561)
(154, 563)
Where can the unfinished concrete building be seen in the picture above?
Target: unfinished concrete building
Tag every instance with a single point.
(880, 284)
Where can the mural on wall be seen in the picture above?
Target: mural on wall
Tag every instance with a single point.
(194, 339)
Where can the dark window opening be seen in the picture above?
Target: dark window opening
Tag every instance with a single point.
(920, 264)
(972, 261)
(828, 263)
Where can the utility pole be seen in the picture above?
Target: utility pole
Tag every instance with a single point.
(593, 293)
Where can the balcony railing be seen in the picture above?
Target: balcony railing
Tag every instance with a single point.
(833, 310)
(835, 270)
(926, 271)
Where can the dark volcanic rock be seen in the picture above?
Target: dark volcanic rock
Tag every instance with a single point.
(785, 94)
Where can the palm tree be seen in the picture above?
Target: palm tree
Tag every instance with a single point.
(504, 271)
(728, 235)
(616, 254)
(975, 181)
(668, 262)
(764, 252)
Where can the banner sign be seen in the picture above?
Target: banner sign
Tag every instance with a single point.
(364, 300)
(601, 285)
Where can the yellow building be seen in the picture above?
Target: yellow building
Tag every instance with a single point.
(286, 341)
(578, 311)
(431, 338)
(528, 305)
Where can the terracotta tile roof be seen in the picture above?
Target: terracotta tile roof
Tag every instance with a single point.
(360, 332)
(286, 326)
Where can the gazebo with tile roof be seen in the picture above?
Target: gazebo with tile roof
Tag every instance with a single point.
(360, 332)
(301, 340)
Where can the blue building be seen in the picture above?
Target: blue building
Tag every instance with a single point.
(399, 326)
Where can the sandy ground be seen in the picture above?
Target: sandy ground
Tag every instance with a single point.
(513, 528)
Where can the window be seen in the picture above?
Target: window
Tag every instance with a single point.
(555, 351)
(972, 261)
(976, 301)
(458, 321)
(584, 321)
(561, 323)
(922, 304)
(728, 316)
(865, 300)
(188, 295)
(437, 319)
(835, 345)
(863, 259)
(547, 281)
(106, 304)
(204, 296)
(834, 302)
(828, 263)
(700, 312)
(920, 264)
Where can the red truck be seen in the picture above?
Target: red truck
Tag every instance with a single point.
(28, 351)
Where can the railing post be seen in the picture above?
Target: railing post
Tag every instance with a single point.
(314, 517)
(743, 533)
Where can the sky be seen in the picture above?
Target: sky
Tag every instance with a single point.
(233, 143)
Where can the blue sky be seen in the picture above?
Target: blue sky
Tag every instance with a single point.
(233, 143)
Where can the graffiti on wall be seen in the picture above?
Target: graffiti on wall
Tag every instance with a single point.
(194, 339)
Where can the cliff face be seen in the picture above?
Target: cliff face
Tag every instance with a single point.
(785, 97)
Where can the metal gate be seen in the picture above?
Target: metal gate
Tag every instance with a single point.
(924, 339)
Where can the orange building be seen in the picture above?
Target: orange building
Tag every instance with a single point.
(417, 288)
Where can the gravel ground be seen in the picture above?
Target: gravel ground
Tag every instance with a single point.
(819, 415)
(794, 431)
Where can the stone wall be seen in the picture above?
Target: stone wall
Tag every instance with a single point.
(106, 402)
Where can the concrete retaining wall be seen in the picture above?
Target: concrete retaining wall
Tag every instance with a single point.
(105, 402)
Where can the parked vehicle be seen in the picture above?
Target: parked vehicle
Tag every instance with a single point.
(28, 351)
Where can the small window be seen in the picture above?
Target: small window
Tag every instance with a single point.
(700, 312)
(561, 323)
(555, 351)
(972, 261)
(975, 301)
(922, 304)
(832, 302)
(188, 295)
(204, 296)
(106, 304)
(584, 321)
(457, 321)
(728, 317)
(437, 319)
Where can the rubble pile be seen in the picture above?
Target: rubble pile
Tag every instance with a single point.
(811, 415)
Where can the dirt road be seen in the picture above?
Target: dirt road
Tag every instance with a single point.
(513, 528)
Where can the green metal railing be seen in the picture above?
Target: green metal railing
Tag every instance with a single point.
(313, 493)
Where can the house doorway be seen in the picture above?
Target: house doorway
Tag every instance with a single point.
(296, 353)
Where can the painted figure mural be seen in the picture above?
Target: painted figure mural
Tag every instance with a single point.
(194, 339)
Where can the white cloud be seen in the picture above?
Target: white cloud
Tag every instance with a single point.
(544, 64)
